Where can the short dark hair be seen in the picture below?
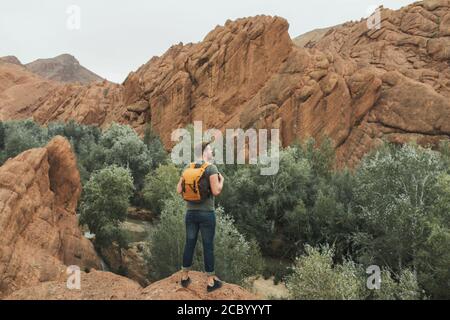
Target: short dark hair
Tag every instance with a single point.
(201, 147)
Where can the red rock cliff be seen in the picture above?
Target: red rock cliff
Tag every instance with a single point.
(39, 233)
(355, 84)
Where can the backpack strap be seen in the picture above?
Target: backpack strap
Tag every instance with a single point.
(183, 185)
(205, 165)
(203, 168)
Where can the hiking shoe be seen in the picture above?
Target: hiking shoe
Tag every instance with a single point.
(185, 283)
(217, 285)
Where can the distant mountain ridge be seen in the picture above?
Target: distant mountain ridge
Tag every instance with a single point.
(310, 38)
(63, 68)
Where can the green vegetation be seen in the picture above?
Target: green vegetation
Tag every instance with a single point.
(315, 277)
(159, 186)
(392, 210)
(95, 149)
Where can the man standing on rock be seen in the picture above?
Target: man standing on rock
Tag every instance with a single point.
(199, 184)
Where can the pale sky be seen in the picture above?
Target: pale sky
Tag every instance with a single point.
(115, 37)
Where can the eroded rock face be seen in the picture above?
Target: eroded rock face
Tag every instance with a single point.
(353, 83)
(20, 91)
(39, 233)
(409, 57)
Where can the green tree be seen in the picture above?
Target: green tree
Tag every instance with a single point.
(402, 199)
(259, 203)
(159, 186)
(395, 197)
(104, 204)
(433, 263)
(84, 140)
(22, 135)
(124, 148)
(155, 147)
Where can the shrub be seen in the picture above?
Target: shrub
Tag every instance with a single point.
(315, 277)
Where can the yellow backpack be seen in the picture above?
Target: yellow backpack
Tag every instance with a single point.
(194, 184)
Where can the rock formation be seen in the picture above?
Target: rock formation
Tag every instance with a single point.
(170, 289)
(357, 83)
(39, 233)
(95, 285)
(99, 285)
(20, 90)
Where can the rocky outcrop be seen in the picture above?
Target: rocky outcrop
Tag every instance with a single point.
(356, 83)
(63, 68)
(39, 234)
(170, 289)
(97, 285)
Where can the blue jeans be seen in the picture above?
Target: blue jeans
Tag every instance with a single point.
(205, 221)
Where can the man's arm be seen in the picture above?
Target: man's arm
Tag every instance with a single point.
(216, 182)
(179, 188)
